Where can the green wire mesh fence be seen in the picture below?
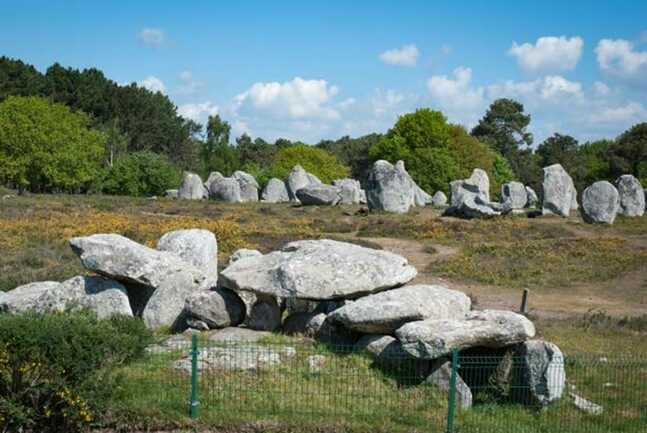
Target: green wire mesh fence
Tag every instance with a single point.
(312, 384)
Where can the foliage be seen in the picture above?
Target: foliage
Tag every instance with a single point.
(314, 160)
(501, 173)
(628, 155)
(140, 174)
(49, 365)
(47, 147)
(353, 152)
(504, 126)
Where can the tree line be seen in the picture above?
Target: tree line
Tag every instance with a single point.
(76, 131)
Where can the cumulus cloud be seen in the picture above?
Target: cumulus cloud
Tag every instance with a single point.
(347, 103)
(386, 102)
(548, 53)
(198, 111)
(456, 96)
(552, 88)
(295, 99)
(619, 57)
(189, 85)
(152, 37)
(627, 114)
(407, 55)
(601, 89)
(153, 84)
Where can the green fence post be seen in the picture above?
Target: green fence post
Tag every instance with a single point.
(193, 409)
(451, 399)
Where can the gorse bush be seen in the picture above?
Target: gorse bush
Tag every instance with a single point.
(53, 367)
(314, 160)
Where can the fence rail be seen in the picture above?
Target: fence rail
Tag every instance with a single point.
(311, 384)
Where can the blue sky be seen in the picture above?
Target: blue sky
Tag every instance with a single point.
(312, 70)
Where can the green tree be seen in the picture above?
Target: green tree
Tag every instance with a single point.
(317, 161)
(46, 147)
(628, 155)
(593, 157)
(353, 152)
(217, 154)
(504, 127)
(141, 174)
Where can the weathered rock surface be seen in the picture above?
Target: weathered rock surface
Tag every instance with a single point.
(559, 191)
(103, 296)
(219, 308)
(439, 199)
(319, 195)
(225, 189)
(515, 193)
(242, 253)
(540, 378)
(477, 185)
(192, 187)
(432, 339)
(308, 324)
(214, 176)
(124, 260)
(171, 193)
(197, 247)
(390, 188)
(532, 198)
(420, 196)
(440, 376)
(248, 186)
(586, 406)
(238, 358)
(350, 191)
(299, 178)
(262, 312)
(384, 312)
(382, 348)
(319, 270)
(632, 196)
(275, 192)
(600, 203)
(238, 335)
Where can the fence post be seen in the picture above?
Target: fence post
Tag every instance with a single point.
(451, 399)
(193, 408)
(524, 302)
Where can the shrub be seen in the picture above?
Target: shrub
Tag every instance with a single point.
(317, 161)
(141, 173)
(50, 366)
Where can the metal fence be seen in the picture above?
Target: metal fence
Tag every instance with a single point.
(311, 385)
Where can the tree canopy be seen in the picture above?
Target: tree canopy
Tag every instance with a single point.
(317, 161)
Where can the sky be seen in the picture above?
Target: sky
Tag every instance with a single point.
(312, 70)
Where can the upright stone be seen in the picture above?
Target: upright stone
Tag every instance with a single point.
(514, 193)
(349, 191)
(632, 196)
(439, 199)
(217, 308)
(248, 186)
(297, 179)
(197, 247)
(275, 192)
(319, 195)
(531, 197)
(389, 188)
(559, 191)
(477, 185)
(540, 377)
(192, 187)
(226, 189)
(600, 203)
(214, 176)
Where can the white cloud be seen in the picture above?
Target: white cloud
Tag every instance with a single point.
(627, 114)
(618, 57)
(601, 89)
(385, 103)
(152, 36)
(407, 55)
(295, 99)
(153, 84)
(446, 49)
(552, 88)
(456, 92)
(347, 103)
(189, 85)
(198, 111)
(549, 53)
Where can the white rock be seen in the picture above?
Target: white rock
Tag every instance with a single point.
(632, 196)
(319, 195)
(540, 377)
(477, 185)
(225, 189)
(248, 186)
(275, 192)
(390, 188)
(600, 203)
(439, 199)
(197, 247)
(350, 191)
(192, 187)
(515, 193)
(559, 191)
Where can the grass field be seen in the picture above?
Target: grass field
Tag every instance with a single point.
(588, 295)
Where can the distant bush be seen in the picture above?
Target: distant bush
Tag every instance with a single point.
(52, 367)
(314, 160)
(140, 174)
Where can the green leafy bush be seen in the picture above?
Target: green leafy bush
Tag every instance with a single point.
(317, 161)
(52, 367)
(140, 174)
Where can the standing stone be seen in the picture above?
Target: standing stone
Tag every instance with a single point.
(297, 179)
(514, 193)
(195, 246)
(248, 186)
(214, 176)
(319, 195)
(540, 378)
(384, 312)
(319, 270)
(192, 187)
(559, 191)
(439, 199)
(420, 197)
(217, 308)
(275, 192)
(432, 339)
(390, 188)
(440, 376)
(632, 196)
(477, 185)
(349, 191)
(600, 203)
(226, 189)
(531, 197)
(171, 278)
